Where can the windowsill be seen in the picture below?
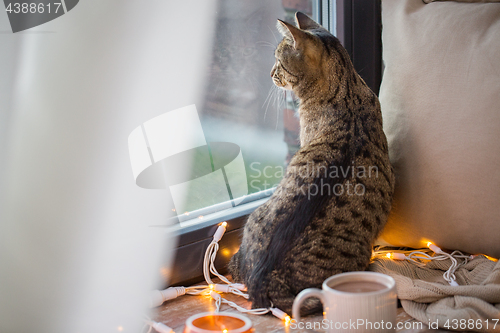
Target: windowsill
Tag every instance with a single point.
(193, 237)
(188, 229)
(174, 314)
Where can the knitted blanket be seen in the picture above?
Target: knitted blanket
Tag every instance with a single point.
(474, 305)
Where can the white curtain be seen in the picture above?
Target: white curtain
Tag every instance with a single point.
(77, 253)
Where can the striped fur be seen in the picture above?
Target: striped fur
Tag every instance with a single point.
(303, 235)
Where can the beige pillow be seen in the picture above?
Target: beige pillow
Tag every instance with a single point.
(440, 98)
(429, 1)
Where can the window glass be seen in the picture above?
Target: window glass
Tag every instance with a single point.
(249, 124)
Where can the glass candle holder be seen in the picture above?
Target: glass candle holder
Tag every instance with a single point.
(210, 322)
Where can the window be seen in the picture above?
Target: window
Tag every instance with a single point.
(246, 120)
(241, 107)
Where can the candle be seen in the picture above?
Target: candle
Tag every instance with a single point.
(209, 322)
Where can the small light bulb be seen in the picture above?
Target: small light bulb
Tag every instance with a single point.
(278, 313)
(433, 247)
(211, 286)
(224, 330)
(398, 256)
(215, 295)
(287, 320)
(389, 255)
(221, 229)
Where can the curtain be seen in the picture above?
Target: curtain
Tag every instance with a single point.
(77, 250)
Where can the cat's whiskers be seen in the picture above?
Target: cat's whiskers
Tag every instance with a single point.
(281, 102)
(266, 44)
(276, 95)
(222, 80)
(217, 87)
(268, 99)
(272, 32)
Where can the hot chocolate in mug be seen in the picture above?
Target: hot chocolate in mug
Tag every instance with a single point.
(354, 302)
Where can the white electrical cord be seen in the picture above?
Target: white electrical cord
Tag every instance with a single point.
(234, 288)
(275, 311)
(211, 253)
(158, 297)
(419, 257)
(209, 266)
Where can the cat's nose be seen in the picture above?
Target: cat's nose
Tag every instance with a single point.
(272, 71)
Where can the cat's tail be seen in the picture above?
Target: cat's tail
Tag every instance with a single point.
(293, 216)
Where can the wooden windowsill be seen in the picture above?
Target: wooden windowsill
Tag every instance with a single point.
(175, 312)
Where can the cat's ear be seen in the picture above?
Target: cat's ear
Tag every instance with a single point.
(305, 22)
(292, 33)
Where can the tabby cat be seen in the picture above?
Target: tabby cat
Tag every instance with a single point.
(337, 192)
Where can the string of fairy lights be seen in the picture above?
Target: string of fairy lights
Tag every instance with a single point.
(212, 289)
(418, 257)
(422, 256)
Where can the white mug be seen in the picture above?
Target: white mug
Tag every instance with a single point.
(354, 302)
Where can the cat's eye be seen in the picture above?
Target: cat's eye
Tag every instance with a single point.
(248, 51)
(224, 52)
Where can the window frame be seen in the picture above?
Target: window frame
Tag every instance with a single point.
(357, 24)
(359, 28)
